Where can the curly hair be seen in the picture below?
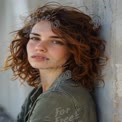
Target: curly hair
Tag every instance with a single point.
(80, 33)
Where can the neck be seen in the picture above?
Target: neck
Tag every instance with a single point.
(48, 76)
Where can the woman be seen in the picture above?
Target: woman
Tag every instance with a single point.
(59, 53)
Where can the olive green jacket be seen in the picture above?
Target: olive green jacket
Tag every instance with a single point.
(64, 101)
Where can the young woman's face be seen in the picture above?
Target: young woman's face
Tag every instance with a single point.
(45, 49)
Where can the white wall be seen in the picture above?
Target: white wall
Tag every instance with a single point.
(109, 97)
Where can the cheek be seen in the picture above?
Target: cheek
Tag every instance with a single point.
(29, 47)
(62, 53)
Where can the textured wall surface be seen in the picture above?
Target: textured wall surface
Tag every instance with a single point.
(118, 63)
(109, 97)
(12, 93)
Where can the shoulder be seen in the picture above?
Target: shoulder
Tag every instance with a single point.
(62, 105)
(73, 91)
(68, 91)
(52, 106)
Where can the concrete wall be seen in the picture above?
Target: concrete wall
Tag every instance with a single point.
(109, 97)
(118, 63)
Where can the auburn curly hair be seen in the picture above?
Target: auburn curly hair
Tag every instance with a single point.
(80, 33)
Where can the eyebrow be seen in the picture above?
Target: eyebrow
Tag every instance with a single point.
(35, 34)
(58, 37)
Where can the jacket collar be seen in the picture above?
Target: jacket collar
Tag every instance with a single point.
(63, 76)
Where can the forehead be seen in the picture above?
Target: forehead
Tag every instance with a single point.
(43, 27)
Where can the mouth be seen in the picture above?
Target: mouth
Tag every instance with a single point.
(39, 57)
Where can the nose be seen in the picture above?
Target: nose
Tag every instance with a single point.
(41, 46)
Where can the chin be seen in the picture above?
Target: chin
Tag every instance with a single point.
(37, 66)
(43, 66)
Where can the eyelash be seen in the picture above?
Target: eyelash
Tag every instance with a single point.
(52, 41)
(57, 42)
(34, 38)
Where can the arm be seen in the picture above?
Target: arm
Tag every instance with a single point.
(25, 107)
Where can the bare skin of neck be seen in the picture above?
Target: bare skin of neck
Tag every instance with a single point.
(48, 76)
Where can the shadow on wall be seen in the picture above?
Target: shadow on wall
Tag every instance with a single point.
(4, 116)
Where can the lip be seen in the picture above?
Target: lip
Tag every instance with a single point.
(39, 57)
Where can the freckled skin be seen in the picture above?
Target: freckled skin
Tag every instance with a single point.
(52, 52)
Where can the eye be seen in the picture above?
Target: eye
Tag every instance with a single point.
(35, 38)
(57, 42)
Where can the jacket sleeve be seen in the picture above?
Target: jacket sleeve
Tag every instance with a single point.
(25, 107)
(59, 107)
